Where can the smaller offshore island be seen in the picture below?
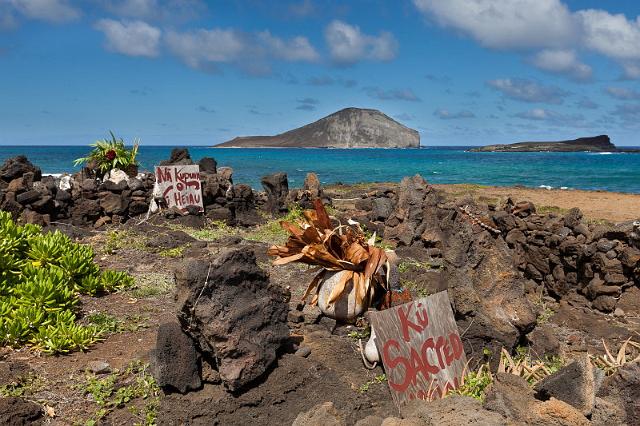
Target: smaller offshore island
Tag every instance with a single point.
(347, 128)
(600, 143)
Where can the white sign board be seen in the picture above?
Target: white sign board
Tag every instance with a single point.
(421, 349)
(179, 186)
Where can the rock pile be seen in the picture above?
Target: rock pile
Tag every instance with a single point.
(84, 200)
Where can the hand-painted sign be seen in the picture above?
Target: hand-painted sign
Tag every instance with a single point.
(179, 186)
(420, 347)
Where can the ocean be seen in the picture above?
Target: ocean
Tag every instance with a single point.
(579, 170)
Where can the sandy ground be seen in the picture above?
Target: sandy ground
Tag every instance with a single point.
(611, 206)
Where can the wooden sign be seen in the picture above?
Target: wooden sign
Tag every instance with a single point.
(179, 186)
(420, 348)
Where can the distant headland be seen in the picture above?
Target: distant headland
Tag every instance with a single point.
(347, 128)
(600, 143)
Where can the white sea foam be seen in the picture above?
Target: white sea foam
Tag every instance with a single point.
(547, 187)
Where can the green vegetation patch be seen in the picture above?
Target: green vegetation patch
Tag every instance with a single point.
(133, 388)
(152, 284)
(41, 278)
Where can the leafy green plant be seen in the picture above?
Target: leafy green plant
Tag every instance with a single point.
(110, 154)
(41, 278)
(376, 380)
(120, 388)
(474, 383)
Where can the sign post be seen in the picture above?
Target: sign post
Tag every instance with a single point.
(420, 347)
(179, 186)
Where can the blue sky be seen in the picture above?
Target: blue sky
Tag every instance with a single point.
(175, 72)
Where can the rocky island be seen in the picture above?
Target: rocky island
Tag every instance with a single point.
(347, 128)
(600, 143)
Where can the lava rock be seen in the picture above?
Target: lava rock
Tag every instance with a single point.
(573, 218)
(277, 188)
(28, 197)
(236, 316)
(623, 388)
(179, 156)
(381, 209)
(16, 167)
(208, 165)
(175, 363)
(17, 412)
(113, 204)
(321, 415)
(576, 384)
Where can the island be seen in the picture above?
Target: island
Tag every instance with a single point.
(347, 128)
(600, 143)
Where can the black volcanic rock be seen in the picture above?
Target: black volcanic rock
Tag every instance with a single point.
(600, 143)
(347, 128)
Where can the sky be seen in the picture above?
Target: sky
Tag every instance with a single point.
(195, 72)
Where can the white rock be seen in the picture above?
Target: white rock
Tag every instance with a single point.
(65, 183)
(116, 176)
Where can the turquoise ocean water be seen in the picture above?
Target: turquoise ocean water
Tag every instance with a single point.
(581, 170)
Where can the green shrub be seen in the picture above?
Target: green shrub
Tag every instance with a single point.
(110, 154)
(41, 278)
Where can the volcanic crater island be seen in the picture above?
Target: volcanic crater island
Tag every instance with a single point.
(347, 128)
(600, 143)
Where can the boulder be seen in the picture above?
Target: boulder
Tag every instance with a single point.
(28, 197)
(16, 167)
(208, 165)
(276, 187)
(381, 209)
(321, 415)
(113, 204)
(450, 411)
(573, 218)
(17, 412)
(523, 209)
(623, 389)
(243, 205)
(511, 396)
(179, 156)
(576, 384)
(86, 211)
(236, 316)
(402, 226)
(312, 186)
(175, 363)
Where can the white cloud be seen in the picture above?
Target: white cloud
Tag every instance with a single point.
(206, 48)
(554, 118)
(348, 45)
(612, 35)
(132, 38)
(528, 91)
(623, 94)
(561, 61)
(296, 49)
(543, 24)
(196, 47)
(505, 24)
(56, 11)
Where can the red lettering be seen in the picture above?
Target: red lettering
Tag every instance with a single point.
(439, 344)
(448, 353)
(163, 175)
(456, 342)
(392, 362)
(406, 324)
(429, 368)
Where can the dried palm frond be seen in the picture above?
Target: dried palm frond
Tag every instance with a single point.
(629, 352)
(531, 370)
(341, 248)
